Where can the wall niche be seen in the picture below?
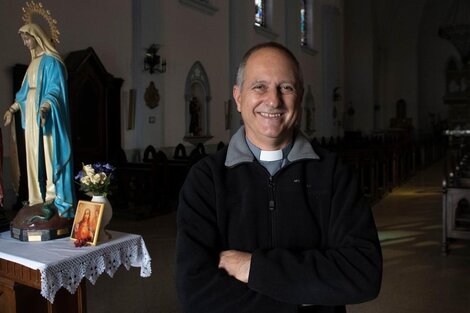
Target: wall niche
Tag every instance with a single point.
(197, 105)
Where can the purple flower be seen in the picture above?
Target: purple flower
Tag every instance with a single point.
(79, 175)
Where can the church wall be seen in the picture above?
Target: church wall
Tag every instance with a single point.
(195, 37)
(382, 60)
(433, 54)
(402, 74)
(359, 82)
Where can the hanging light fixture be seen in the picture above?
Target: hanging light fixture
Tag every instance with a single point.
(152, 61)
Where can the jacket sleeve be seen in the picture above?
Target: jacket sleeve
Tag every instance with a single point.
(346, 270)
(201, 286)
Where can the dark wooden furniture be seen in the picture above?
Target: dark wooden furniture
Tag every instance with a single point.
(148, 188)
(37, 277)
(20, 282)
(456, 189)
(384, 160)
(95, 106)
(4, 221)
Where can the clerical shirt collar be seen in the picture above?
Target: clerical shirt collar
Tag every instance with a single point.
(275, 155)
(266, 155)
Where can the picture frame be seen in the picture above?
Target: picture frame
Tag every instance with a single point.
(86, 224)
(131, 113)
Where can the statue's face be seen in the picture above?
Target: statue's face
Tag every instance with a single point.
(29, 41)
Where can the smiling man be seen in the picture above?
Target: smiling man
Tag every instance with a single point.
(268, 95)
(273, 223)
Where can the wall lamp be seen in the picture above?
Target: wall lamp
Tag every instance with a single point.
(152, 61)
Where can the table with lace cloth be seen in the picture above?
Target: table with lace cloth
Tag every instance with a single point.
(61, 264)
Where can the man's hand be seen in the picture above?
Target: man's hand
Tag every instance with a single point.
(236, 264)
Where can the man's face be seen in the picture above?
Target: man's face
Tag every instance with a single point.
(269, 99)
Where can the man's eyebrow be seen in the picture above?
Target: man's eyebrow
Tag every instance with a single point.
(258, 82)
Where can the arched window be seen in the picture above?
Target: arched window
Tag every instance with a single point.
(303, 23)
(260, 13)
(306, 23)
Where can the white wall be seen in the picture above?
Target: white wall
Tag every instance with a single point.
(359, 49)
(393, 52)
(195, 36)
(402, 62)
(433, 53)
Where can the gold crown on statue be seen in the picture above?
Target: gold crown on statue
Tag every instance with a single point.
(32, 8)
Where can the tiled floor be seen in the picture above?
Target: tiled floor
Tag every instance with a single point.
(417, 278)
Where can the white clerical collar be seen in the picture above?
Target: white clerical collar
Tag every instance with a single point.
(275, 155)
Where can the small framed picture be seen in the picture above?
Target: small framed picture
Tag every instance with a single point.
(87, 221)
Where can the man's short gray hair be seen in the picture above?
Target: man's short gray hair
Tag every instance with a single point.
(274, 45)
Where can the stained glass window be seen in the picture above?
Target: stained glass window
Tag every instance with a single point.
(303, 23)
(260, 12)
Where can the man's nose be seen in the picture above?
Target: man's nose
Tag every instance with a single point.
(274, 97)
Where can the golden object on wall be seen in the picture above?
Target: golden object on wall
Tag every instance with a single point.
(151, 96)
(131, 114)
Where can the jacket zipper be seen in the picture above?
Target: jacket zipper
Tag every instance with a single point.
(272, 211)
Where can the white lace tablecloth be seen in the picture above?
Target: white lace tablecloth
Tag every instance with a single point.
(61, 264)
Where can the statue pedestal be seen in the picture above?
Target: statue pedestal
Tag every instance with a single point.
(22, 229)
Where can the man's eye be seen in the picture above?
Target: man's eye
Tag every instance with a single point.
(287, 89)
(259, 87)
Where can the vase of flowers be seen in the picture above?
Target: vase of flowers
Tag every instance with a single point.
(103, 234)
(94, 180)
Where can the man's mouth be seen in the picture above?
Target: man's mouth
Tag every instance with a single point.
(270, 115)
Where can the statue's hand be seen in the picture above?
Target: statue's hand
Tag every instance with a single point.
(43, 112)
(7, 118)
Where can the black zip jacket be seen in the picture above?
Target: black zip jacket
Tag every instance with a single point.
(312, 236)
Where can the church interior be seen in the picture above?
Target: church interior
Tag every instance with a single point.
(387, 87)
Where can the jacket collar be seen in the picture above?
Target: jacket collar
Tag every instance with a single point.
(239, 152)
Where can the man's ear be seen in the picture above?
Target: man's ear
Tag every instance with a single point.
(237, 96)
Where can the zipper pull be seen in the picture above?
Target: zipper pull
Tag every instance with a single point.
(271, 205)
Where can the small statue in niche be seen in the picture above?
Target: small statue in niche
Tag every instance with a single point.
(401, 120)
(151, 96)
(194, 112)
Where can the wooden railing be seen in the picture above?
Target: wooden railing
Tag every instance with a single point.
(381, 162)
